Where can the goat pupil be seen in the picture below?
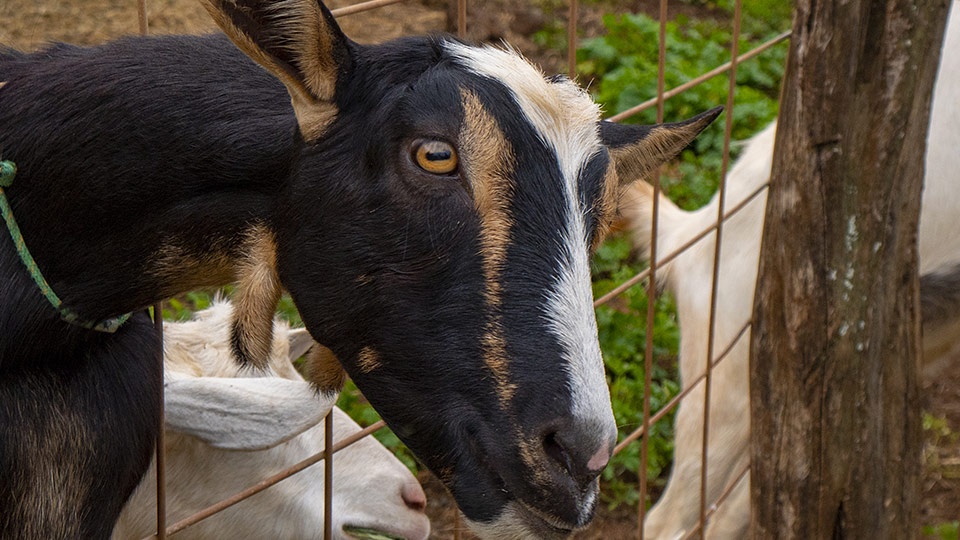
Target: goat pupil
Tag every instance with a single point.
(435, 157)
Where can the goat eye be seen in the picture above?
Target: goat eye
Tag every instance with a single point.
(435, 157)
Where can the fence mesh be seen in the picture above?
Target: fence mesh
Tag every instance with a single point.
(649, 276)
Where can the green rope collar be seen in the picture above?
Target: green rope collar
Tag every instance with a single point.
(7, 172)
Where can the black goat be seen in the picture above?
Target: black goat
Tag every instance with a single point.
(430, 206)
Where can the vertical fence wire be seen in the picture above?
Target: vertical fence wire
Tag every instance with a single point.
(161, 460)
(711, 333)
(652, 282)
(328, 476)
(572, 19)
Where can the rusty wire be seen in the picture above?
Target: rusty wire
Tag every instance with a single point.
(362, 6)
(643, 274)
(652, 283)
(715, 284)
(328, 476)
(572, 22)
(648, 419)
(716, 505)
(673, 92)
(650, 272)
(672, 404)
(160, 452)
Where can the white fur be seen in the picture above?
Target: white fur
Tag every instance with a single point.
(689, 277)
(565, 119)
(368, 480)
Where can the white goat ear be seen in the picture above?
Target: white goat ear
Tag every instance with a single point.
(300, 342)
(638, 150)
(244, 414)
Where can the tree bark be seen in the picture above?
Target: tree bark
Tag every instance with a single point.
(836, 434)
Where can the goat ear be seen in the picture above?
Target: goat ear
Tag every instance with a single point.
(243, 414)
(638, 150)
(298, 42)
(300, 342)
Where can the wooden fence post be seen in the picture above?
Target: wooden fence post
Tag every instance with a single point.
(835, 418)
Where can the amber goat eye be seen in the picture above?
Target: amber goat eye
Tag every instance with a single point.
(435, 157)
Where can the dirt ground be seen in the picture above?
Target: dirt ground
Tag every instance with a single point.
(28, 24)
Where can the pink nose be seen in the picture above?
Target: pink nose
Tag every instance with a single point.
(599, 460)
(413, 496)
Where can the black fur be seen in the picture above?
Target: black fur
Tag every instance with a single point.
(940, 296)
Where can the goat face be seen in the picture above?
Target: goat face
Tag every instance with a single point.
(455, 195)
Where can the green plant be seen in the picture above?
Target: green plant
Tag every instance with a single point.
(943, 531)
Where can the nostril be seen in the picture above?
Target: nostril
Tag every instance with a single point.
(555, 450)
(413, 496)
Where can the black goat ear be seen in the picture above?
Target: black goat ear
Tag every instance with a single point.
(300, 43)
(639, 150)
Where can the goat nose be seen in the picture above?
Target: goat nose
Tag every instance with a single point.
(582, 453)
(413, 496)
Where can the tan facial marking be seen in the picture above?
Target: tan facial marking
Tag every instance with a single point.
(258, 291)
(606, 206)
(488, 163)
(324, 370)
(531, 453)
(368, 360)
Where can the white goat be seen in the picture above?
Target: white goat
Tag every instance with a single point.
(228, 428)
(689, 278)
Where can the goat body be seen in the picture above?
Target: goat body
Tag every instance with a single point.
(690, 275)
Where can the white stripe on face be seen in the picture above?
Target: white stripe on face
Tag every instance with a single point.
(565, 119)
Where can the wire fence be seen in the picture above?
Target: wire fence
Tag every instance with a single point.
(650, 417)
(707, 508)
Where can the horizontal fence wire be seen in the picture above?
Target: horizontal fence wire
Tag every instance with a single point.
(672, 404)
(640, 276)
(723, 68)
(363, 6)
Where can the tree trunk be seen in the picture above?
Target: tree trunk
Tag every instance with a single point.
(835, 418)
